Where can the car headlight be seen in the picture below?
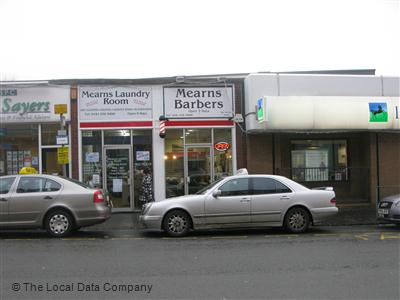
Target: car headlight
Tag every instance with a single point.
(397, 203)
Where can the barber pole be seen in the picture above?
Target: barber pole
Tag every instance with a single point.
(162, 126)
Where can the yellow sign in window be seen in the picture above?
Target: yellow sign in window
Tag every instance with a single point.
(62, 156)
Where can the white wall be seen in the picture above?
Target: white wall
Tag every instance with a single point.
(158, 145)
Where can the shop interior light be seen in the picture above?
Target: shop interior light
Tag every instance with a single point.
(174, 157)
(165, 157)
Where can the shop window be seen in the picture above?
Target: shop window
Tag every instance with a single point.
(49, 134)
(142, 157)
(174, 160)
(222, 153)
(92, 158)
(198, 136)
(19, 148)
(319, 160)
(117, 137)
(209, 153)
(50, 163)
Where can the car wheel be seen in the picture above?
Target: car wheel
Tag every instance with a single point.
(177, 223)
(59, 223)
(297, 220)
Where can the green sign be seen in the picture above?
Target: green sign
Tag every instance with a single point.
(378, 112)
(22, 108)
(260, 110)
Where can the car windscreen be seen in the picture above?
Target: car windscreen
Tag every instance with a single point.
(210, 186)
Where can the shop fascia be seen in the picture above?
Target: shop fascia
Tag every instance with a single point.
(32, 104)
(191, 102)
(115, 103)
(325, 113)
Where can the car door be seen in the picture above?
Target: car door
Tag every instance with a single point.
(232, 206)
(6, 184)
(269, 199)
(31, 199)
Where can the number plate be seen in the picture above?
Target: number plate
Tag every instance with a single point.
(383, 211)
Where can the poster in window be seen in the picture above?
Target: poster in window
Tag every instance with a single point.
(92, 157)
(117, 185)
(317, 165)
(142, 155)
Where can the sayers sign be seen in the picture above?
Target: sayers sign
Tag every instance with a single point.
(183, 102)
(32, 104)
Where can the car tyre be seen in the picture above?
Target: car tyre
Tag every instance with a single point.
(297, 220)
(59, 223)
(177, 223)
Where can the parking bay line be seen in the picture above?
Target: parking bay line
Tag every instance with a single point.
(391, 235)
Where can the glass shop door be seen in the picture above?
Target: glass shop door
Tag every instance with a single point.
(118, 176)
(198, 168)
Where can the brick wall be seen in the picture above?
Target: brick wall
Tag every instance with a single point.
(74, 134)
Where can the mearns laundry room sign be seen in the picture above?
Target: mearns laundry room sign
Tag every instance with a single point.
(115, 103)
(192, 102)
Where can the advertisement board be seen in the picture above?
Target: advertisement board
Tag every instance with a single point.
(32, 104)
(116, 103)
(197, 102)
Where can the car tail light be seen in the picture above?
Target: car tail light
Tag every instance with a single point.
(333, 201)
(98, 197)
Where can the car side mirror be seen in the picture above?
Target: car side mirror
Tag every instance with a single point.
(216, 193)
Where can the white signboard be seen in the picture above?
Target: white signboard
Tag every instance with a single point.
(117, 185)
(32, 104)
(115, 103)
(61, 140)
(92, 157)
(182, 102)
(142, 155)
(328, 113)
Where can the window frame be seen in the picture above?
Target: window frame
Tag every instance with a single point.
(12, 183)
(334, 157)
(240, 195)
(276, 188)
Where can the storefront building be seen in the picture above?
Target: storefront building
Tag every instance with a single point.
(29, 126)
(119, 136)
(326, 130)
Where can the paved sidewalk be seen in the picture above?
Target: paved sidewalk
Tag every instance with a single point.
(347, 216)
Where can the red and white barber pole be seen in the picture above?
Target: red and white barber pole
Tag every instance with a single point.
(162, 126)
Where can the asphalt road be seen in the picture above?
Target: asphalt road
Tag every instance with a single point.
(358, 262)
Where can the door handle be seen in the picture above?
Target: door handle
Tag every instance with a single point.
(3, 200)
(285, 198)
(47, 198)
(244, 200)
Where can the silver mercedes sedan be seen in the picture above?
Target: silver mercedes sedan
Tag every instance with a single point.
(242, 201)
(389, 209)
(56, 204)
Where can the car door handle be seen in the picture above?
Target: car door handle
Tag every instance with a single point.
(3, 200)
(244, 200)
(47, 198)
(285, 198)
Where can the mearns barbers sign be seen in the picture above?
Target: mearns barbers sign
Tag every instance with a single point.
(30, 104)
(115, 103)
(197, 102)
